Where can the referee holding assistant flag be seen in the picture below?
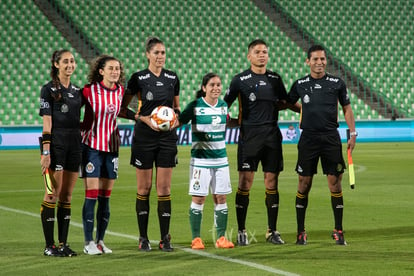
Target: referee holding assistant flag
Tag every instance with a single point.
(320, 93)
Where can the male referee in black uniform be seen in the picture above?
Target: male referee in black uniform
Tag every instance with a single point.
(260, 92)
(320, 93)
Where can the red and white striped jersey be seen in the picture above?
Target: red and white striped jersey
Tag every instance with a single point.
(102, 106)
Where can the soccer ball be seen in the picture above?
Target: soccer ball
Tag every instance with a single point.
(163, 118)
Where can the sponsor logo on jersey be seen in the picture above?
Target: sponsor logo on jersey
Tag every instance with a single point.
(318, 86)
(158, 83)
(169, 76)
(70, 95)
(144, 77)
(75, 88)
(273, 76)
(303, 80)
(242, 78)
(332, 79)
(262, 83)
(216, 120)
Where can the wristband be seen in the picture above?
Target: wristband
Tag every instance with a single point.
(354, 133)
(130, 114)
(46, 138)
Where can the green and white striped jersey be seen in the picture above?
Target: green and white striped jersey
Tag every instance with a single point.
(208, 128)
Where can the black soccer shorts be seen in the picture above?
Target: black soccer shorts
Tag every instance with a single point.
(260, 144)
(149, 147)
(324, 145)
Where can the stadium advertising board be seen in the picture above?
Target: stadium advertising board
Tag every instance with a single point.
(13, 137)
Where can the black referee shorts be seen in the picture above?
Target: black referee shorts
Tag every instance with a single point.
(260, 144)
(149, 147)
(65, 150)
(324, 145)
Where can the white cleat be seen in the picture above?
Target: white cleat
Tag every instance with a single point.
(92, 249)
(103, 248)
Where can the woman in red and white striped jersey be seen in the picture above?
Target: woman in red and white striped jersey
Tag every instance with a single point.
(100, 138)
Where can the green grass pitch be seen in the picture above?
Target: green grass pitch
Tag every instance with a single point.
(378, 222)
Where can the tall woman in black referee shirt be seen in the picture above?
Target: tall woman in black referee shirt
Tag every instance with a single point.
(60, 103)
(154, 86)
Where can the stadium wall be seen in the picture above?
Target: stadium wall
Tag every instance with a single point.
(21, 137)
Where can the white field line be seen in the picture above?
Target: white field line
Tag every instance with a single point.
(188, 250)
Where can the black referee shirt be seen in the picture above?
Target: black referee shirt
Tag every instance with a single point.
(154, 91)
(258, 96)
(65, 112)
(319, 99)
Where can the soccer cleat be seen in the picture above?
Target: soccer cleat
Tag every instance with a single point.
(274, 237)
(101, 246)
(144, 244)
(222, 242)
(338, 236)
(242, 239)
(52, 250)
(92, 249)
(197, 243)
(301, 238)
(66, 251)
(165, 244)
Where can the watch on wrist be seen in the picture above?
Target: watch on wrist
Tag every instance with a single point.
(354, 133)
(45, 152)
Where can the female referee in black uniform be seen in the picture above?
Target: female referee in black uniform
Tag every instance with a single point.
(154, 86)
(60, 103)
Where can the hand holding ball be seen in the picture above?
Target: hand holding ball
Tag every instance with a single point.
(163, 118)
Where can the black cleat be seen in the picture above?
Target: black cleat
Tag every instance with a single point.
(338, 236)
(301, 238)
(52, 250)
(165, 244)
(66, 251)
(242, 239)
(274, 237)
(144, 244)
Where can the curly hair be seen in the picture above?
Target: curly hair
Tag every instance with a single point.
(99, 63)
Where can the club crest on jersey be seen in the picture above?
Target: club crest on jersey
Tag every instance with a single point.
(149, 96)
(306, 99)
(111, 108)
(89, 167)
(64, 108)
(252, 97)
(196, 185)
